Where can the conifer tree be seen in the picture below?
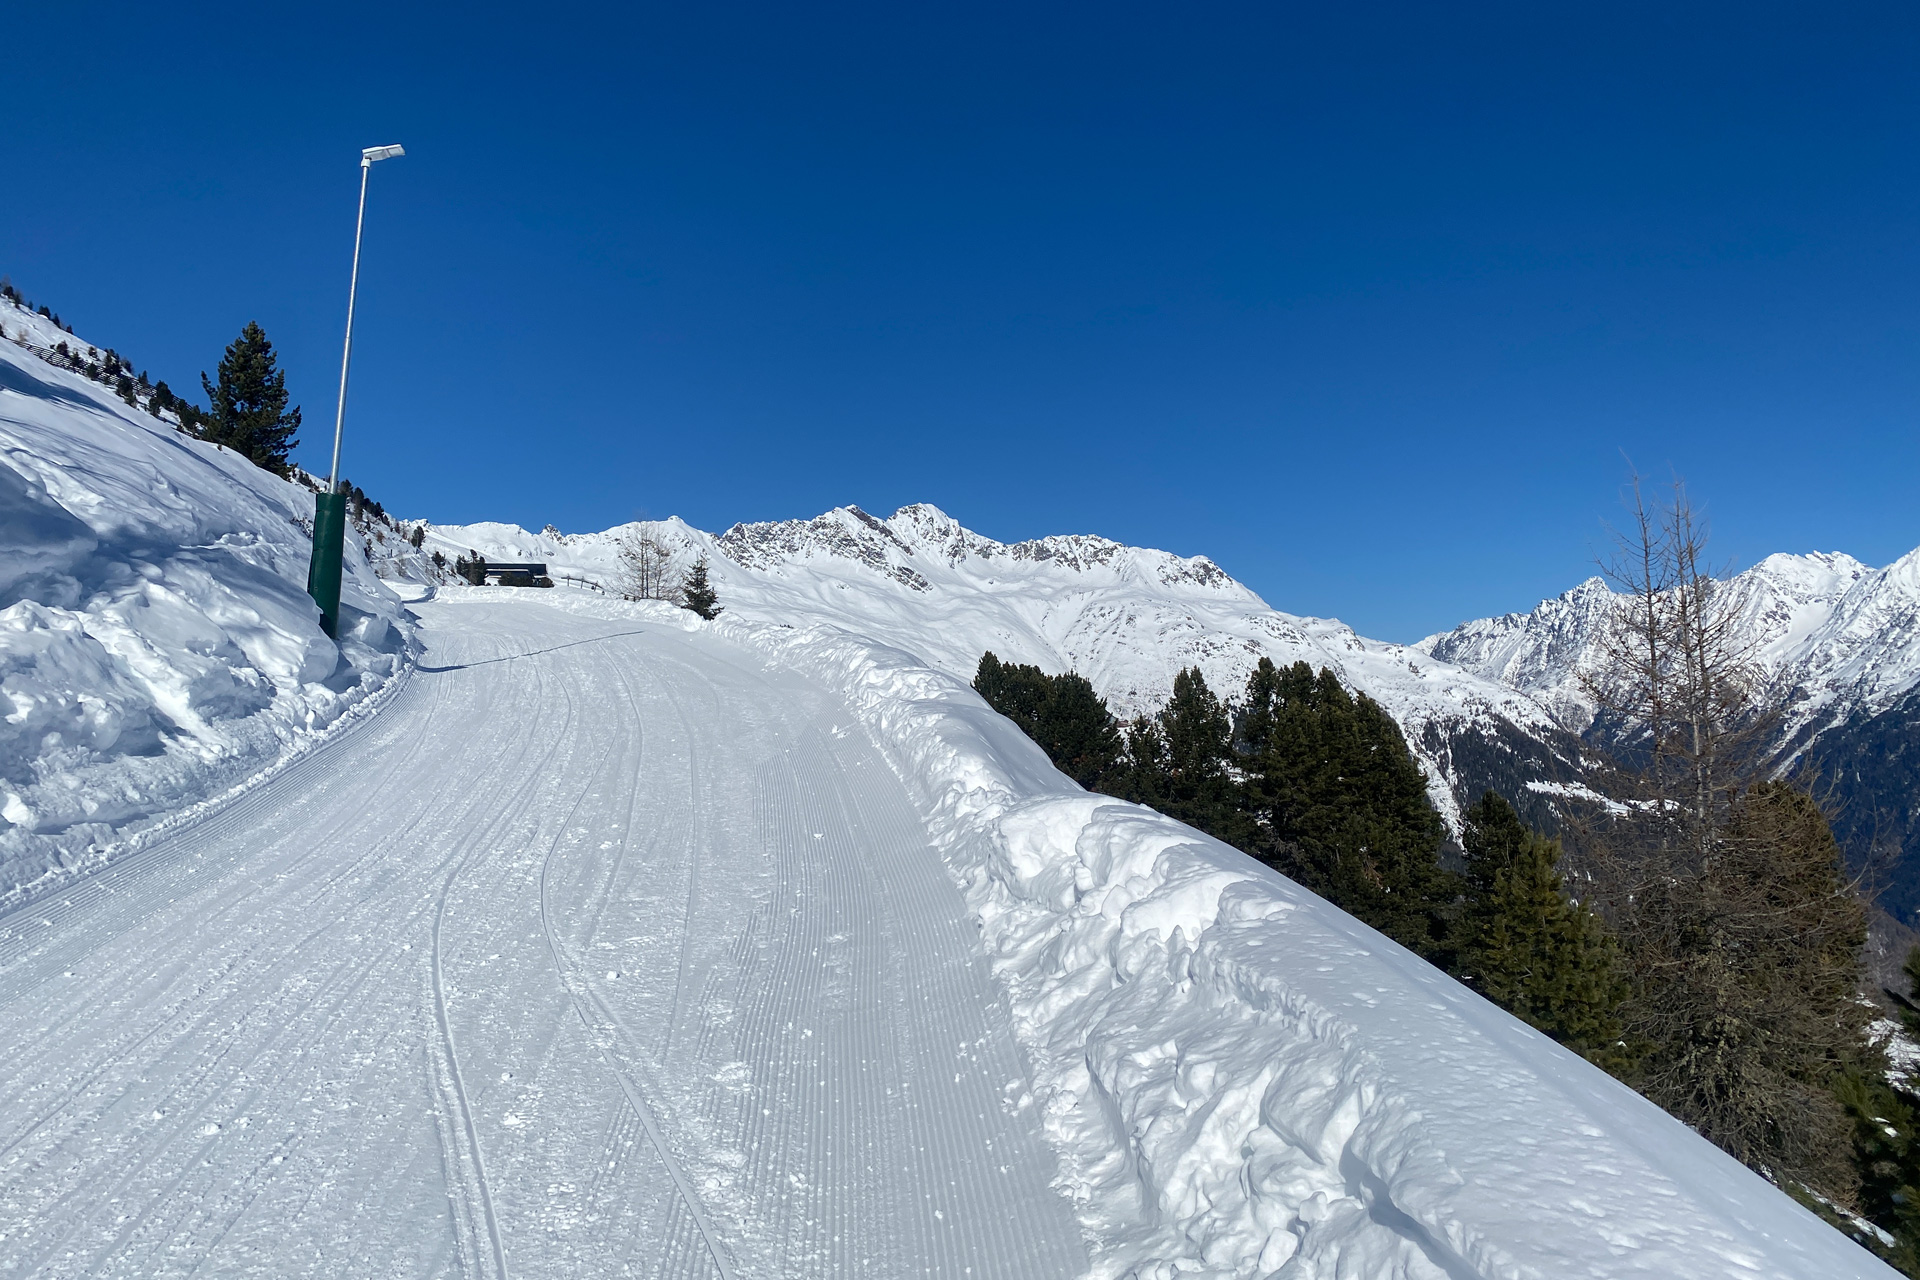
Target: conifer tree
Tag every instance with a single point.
(1885, 1111)
(1016, 690)
(1526, 946)
(698, 594)
(1886, 1146)
(1061, 713)
(1338, 803)
(249, 412)
(1079, 732)
(1142, 773)
(1743, 947)
(1197, 785)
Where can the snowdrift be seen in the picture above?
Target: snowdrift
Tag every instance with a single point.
(156, 641)
(1244, 1081)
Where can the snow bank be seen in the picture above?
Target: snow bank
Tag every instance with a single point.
(1243, 1078)
(1244, 1081)
(156, 640)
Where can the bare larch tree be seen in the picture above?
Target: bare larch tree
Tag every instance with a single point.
(1739, 925)
(645, 567)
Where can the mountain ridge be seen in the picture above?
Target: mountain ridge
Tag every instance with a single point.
(1833, 642)
(1127, 618)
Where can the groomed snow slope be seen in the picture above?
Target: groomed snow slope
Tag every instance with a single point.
(602, 950)
(620, 943)
(1127, 618)
(156, 640)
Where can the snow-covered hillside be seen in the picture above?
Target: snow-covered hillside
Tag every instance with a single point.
(1127, 618)
(156, 640)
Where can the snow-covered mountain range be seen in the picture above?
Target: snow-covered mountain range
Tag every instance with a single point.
(1831, 638)
(1127, 618)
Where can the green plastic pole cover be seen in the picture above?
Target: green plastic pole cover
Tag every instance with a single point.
(323, 574)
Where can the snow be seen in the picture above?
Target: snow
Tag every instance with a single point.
(617, 939)
(1127, 618)
(604, 948)
(156, 641)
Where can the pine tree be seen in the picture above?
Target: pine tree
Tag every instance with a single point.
(1017, 691)
(1885, 1111)
(1525, 945)
(698, 594)
(1143, 770)
(1197, 786)
(1079, 732)
(1338, 803)
(1886, 1151)
(1061, 713)
(249, 405)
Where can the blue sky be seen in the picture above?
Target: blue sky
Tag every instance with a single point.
(1368, 303)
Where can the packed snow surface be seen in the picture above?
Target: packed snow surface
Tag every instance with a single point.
(618, 943)
(600, 950)
(156, 639)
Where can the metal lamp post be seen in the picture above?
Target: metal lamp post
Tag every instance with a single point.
(330, 508)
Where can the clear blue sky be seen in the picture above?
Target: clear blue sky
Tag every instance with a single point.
(1364, 302)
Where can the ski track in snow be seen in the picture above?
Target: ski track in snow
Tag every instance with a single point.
(602, 950)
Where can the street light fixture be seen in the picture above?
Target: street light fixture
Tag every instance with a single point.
(330, 508)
